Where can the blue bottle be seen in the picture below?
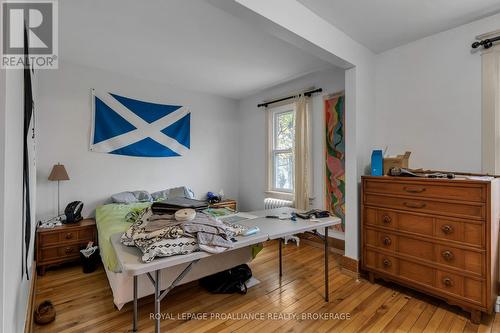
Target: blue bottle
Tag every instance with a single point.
(377, 163)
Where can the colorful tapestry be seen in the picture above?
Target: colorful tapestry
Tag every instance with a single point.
(335, 156)
(126, 126)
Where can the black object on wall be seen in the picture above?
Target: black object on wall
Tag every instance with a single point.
(28, 114)
(486, 43)
(307, 93)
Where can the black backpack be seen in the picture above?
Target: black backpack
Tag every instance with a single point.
(229, 281)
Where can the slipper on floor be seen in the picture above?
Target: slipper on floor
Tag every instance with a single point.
(45, 313)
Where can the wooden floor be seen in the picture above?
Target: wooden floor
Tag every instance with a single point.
(84, 303)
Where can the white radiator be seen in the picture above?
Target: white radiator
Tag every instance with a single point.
(271, 203)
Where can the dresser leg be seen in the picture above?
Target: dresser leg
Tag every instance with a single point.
(41, 270)
(371, 277)
(475, 317)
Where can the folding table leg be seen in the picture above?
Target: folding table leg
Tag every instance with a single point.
(280, 245)
(326, 264)
(157, 300)
(134, 321)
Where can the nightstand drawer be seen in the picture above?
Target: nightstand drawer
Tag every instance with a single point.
(70, 250)
(48, 254)
(67, 236)
(59, 253)
(48, 238)
(86, 234)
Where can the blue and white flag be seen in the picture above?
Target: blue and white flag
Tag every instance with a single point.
(126, 126)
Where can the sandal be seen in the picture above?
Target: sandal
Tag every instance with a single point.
(45, 313)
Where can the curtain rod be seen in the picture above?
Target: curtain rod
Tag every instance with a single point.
(307, 93)
(486, 43)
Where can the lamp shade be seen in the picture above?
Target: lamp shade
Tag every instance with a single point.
(58, 173)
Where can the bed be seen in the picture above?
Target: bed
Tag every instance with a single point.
(111, 219)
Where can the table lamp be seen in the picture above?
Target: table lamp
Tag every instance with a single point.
(58, 173)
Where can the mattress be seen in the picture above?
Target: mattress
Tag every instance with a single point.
(110, 219)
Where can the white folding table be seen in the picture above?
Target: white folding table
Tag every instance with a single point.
(129, 258)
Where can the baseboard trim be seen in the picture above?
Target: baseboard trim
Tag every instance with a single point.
(349, 265)
(335, 243)
(28, 325)
(321, 246)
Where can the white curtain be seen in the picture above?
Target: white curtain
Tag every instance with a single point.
(491, 110)
(302, 153)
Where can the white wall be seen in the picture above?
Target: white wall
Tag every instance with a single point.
(64, 125)
(3, 91)
(253, 170)
(428, 99)
(318, 36)
(15, 287)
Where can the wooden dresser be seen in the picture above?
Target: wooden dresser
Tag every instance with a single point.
(437, 236)
(63, 244)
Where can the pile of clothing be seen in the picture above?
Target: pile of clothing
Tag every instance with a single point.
(161, 235)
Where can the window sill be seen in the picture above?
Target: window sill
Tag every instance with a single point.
(279, 195)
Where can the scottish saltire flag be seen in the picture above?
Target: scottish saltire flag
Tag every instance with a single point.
(126, 126)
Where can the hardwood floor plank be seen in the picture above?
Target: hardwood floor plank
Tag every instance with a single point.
(84, 302)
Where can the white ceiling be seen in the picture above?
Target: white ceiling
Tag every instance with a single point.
(190, 44)
(384, 24)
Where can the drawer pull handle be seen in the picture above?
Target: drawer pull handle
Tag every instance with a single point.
(387, 263)
(69, 235)
(68, 250)
(387, 241)
(448, 282)
(414, 189)
(387, 219)
(447, 255)
(411, 204)
(447, 229)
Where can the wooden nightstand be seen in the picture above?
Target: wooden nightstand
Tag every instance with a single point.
(63, 244)
(228, 203)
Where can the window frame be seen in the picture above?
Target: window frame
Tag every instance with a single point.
(272, 116)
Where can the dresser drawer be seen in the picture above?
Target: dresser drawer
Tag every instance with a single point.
(416, 248)
(420, 249)
(463, 231)
(399, 244)
(476, 211)
(381, 239)
(416, 272)
(466, 260)
(407, 246)
(382, 262)
(460, 286)
(460, 231)
(457, 191)
(380, 217)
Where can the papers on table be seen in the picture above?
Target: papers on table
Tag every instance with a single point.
(238, 217)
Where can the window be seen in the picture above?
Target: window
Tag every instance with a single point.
(281, 124)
